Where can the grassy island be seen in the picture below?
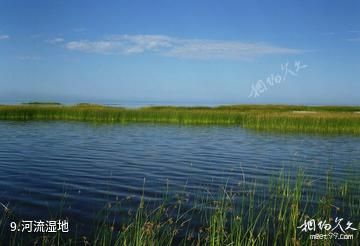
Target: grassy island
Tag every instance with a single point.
(282, 118)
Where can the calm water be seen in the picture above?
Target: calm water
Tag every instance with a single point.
(94, 164)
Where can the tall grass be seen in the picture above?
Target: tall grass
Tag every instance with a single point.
(247, 216)
(327, 120)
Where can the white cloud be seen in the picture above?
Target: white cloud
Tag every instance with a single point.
(203, 49)
(175, 47)
(55, 40)
(3, 36)
(105, 47)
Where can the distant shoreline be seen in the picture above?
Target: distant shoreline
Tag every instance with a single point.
(149, 103)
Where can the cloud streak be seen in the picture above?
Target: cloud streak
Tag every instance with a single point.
(3, 36)
(55, 40)
(176, 47)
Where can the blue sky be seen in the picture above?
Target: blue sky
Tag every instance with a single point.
(180, 51)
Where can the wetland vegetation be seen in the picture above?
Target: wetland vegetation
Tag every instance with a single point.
(244, 216)
(281, 118)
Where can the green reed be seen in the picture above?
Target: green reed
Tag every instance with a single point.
(280, 118)
(238, 216)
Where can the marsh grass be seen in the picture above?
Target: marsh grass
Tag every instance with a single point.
(233, 216)
(279, 118)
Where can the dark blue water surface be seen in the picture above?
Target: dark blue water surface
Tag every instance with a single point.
(87, 165)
